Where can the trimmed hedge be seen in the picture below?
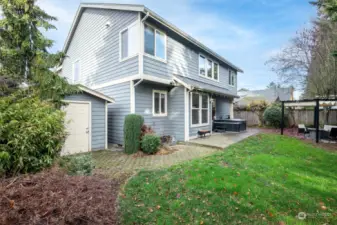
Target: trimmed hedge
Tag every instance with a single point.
(150, 143)
(32, 134)
(132, 132)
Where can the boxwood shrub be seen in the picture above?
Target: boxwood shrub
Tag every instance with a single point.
(32, 134)
(132, 132)
(150, 143)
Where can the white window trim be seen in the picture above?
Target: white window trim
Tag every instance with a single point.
(120, 43)
(206, 61)
(79, 71)
(200, 124)
(155, 40)
(153, 100)
(230, 75)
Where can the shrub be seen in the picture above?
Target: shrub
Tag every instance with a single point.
(32, 134)
(150, 143)
(132, 133)
(78, 164)
(272, 116)
(146, 130)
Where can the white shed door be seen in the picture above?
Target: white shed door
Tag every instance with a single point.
(77, 126)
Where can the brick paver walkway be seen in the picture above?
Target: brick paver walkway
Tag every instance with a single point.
(115, 164)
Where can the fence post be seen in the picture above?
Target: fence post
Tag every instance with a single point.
(317, 120)
(282, 119)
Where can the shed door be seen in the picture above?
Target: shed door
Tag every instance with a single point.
(77, 126)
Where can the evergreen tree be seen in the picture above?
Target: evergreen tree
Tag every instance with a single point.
(24, 50)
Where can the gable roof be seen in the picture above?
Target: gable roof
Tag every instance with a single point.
(269, 95)
(96, 94)
(145, 10)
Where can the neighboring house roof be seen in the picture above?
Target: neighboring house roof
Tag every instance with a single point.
(269, 95)
(96, 94)
(192, 84)
(143, 9)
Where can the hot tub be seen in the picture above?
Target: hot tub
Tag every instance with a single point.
(231, 125)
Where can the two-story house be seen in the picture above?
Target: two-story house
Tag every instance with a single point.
(150, 67)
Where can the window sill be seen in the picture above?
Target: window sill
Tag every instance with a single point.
(209, 78)
(159, 115)
(127, 58)
(200, 125)
(155, 58)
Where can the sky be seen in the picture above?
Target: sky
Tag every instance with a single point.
(245, 32)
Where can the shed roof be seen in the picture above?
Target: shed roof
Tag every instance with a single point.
(96, 94)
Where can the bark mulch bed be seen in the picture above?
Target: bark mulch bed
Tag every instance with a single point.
(52, 197)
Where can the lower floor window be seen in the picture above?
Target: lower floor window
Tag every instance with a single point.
(199, 109)
(159, 103)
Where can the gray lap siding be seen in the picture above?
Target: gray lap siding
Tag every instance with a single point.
(183, 59)
(98, 123)
(117, 111)
(97, 47)
(222, 106)
(173, 123)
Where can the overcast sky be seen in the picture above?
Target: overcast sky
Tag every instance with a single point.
(246, 32)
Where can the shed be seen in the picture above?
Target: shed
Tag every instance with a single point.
(86, 121)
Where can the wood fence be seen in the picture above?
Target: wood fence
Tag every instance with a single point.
(300, 117)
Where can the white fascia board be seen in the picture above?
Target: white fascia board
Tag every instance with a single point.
(97, 94)
(189, 87)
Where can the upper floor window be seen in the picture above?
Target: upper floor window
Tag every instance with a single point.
(231, 80)
(76, 71)
(216, 71)
(154, 42)
(159, 103)
(129, 41)
(202, 65)
(208, 68)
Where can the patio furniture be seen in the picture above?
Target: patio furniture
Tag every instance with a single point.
(332, 134)
(328, 127)
(302, 129)
(322, 133)
(202, 133)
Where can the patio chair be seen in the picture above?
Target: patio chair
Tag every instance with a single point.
(333, 134)
(302, 129)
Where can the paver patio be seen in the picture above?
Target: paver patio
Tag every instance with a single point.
(116, 163)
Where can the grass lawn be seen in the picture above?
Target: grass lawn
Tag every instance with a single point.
(265, 179)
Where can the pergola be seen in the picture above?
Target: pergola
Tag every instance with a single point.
(305, 103)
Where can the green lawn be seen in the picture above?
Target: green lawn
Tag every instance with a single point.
(266, 179)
